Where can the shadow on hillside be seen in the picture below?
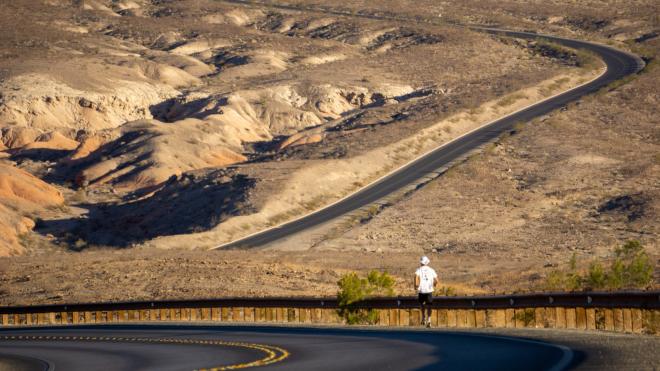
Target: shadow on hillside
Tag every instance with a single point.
(194, 202)
(39, 154)
(65, 172)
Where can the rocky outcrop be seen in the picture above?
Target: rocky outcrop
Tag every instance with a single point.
(17, 136)
(43, 103)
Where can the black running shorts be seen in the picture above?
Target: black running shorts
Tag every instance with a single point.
(425, 299)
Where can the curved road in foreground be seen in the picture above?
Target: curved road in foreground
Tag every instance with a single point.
(163, 348)
(619, 64)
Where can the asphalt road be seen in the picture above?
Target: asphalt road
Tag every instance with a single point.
(619, 64)
(150, 347)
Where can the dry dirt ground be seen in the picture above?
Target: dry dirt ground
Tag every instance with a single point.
(169, 127)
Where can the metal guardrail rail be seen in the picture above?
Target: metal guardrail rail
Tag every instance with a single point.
(638, 299)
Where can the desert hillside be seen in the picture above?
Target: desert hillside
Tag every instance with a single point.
(137, 135)
(22, 197)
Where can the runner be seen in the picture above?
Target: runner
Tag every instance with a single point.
(425, 281)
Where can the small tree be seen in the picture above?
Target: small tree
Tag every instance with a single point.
(353, 289)
(632, 266)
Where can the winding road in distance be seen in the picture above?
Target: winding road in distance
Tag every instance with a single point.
(619, 64)
(168, 347)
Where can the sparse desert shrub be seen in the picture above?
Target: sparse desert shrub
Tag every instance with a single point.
(586, 59)
(573, 279)
(596, 276)
(631, 268)
(546, 91)
(510, 99)
(555, 281)
(353, 289)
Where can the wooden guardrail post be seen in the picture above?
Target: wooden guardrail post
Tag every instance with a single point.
(540, 320)
(560, 313)
(404, 317)
(471, 315)
(551, 317)
(496, 317)
(637, 322)
(452, 318)
(618, 319)
(571, 318)
(580, 318)
(600, 318)
(480, 318)
(609, 319)
(317, 315)
(627, 320)
(510, 318)
(443, 319)
(591, 319)
(461, 318)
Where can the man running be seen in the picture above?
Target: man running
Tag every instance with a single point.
(425, 281)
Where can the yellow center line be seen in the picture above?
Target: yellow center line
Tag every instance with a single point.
(273, 354)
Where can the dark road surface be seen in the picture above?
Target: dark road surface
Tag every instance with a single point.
(183, 348)
(619, 64)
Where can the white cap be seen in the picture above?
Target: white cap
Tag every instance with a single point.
(424, 260)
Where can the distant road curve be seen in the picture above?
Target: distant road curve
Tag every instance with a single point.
(172, 347)
(619, 64)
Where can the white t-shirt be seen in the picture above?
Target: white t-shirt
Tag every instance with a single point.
(426, 276)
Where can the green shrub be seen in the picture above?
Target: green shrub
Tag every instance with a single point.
(353, 289)
(631, 268)
(596, 277)
(556, 280)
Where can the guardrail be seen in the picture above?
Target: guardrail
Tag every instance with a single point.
(634, 312)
